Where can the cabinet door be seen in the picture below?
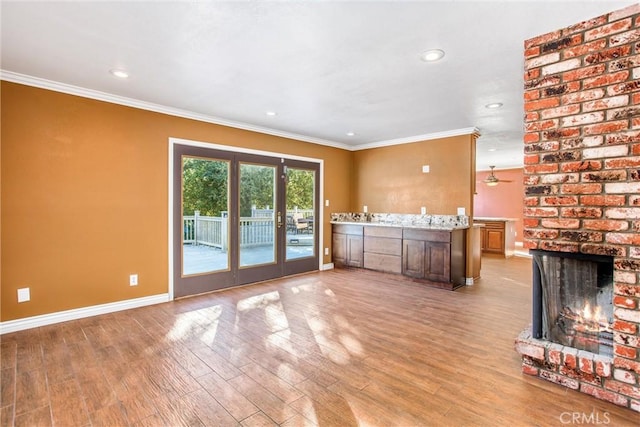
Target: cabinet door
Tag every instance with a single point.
(437, 261)
(495, 240)
(355, 251)
(339, 249)
(413, 257)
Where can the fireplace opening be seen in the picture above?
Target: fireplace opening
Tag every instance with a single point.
(573, 300)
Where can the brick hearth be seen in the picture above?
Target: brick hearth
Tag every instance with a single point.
(582, 185)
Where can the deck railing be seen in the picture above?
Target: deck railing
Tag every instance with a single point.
(213, 231)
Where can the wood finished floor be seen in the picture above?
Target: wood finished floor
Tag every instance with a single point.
(334, 348)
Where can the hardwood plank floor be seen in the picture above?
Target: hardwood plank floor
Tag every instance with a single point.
(334, 348)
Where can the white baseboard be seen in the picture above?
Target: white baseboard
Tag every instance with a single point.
(79, 313)
(328, 266)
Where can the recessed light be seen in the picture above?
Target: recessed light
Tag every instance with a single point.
(492, 149)
(271, 113)
(493, 105)
(432, 55)
(121, 74)
(351, 133)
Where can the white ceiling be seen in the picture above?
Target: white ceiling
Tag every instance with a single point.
(325, 67)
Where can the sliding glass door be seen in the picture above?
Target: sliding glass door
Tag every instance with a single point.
(241, 218)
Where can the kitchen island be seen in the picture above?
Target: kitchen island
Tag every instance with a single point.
(432, 252)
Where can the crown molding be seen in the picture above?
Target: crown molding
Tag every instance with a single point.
(418, 138)
(41, 83)
(157, 108)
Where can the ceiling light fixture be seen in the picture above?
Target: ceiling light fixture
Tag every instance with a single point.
(271, 113)
(493, 105)
(121, 74)
(351, 133)
(432, 55)
(492, 149)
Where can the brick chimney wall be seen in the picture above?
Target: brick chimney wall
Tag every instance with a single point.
(582, 182)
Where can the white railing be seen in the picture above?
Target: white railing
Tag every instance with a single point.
(213, 231)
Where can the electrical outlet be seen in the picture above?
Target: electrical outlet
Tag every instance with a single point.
(365, 208)
(24, 295)
(423, 210)
(133, 280)
(326, 251)
(326, 202)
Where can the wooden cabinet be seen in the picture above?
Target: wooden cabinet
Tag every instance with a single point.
(348, 245)
(383, 249)
(437, 256)
(497, 236)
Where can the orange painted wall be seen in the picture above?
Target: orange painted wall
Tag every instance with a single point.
(84, 193)
(390, 179)
(504, 200)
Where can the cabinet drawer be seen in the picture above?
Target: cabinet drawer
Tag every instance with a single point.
(382, 245)
(376, 231)
(348, 229)
(426, 235)
(493, 224)
(384, 263)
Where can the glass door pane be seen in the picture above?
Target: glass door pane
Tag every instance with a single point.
(300, 219)
(257, 219)
(205, 218)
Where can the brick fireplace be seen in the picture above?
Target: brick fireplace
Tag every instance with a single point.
(582, 193)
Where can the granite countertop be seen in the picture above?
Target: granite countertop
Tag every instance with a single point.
(403, 225)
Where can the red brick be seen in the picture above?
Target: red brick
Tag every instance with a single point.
(628, 37)
(583, 73)
(530, 244)
(566, 110)
(561, 223)
(540, 168)
(634, 9)
(529, 370)
(531, 201)
(627, 87)
(581, 188)
(623, 213)
(532, 233)
(607, 80)
(541, 212)
(559, 200)
(541, 104)
(624, 376)
(558, 247)
(607, 127)
(606, 30)
(532, 51)
(530, 75)
(635, 149)
(606, 103)
(602, 394)
(622, 388)
(559, 379)
(581, 212)
(585, 48)
(607, 54)
(602, 249)
(627, 162)
(602, 200)
(635, 98)
(605, 225)
(532, 95)
(624, 351)
(624, 326)
(544, 38)
(530, 222)
(583, 96)
(604, 152)
(531, 137)
(531, 159)
(623, 238)
(603, 366)
(542, 125)
(623, 363)
(587, 165)
(623, 138)
(626, 302)
(628, 290)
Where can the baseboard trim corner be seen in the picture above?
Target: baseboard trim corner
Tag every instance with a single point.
(328, 266)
